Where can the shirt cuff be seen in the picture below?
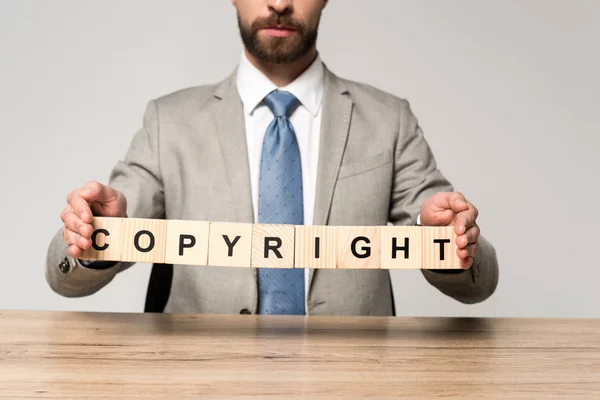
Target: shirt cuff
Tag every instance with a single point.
(99, 265)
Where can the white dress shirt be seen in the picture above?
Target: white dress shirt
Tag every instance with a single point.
(253, 86)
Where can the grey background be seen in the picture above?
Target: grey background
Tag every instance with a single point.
(507, 93)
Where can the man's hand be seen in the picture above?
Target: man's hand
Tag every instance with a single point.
(92, 199)
(452, 208)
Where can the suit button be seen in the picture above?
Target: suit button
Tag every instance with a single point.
(245, 311)
(64, 266)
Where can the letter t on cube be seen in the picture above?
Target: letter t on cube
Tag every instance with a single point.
(439, 244)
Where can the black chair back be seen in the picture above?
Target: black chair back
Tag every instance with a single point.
(159, 288)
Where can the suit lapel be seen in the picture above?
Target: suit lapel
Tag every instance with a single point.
(337, 111)
(335, 124)
(231, 134)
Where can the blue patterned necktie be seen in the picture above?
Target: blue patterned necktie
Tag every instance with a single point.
(280, 201)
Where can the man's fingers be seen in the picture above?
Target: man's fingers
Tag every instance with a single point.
(473, 234)
(74, 239)
(104, 200)
(470, 237)
(93, 191)
(77, 215)
(80, 205)
(466, 219)
(74, 251)
(457, 202)
(472, 207)
(96, 191)
(454, 201)
(469, 251)
(73, 223)
(466, 263)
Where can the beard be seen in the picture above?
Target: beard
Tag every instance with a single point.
(278, 50)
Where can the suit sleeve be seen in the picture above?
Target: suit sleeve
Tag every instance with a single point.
(138, 177)
(416, 178)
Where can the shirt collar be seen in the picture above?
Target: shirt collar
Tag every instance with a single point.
(253, 86)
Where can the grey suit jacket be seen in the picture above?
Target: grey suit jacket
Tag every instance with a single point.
(190, 161)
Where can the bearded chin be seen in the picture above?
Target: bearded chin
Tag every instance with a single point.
(278, 50)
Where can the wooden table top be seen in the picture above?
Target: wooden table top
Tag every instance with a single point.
(98, 355)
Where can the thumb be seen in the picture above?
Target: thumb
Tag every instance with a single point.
(104, 200)
(94, 191)
(454, 201)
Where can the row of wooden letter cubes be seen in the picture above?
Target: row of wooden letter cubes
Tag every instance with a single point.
(230, 244)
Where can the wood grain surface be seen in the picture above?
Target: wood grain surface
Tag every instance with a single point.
(99, 355)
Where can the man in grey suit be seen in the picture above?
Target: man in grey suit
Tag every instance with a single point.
(281, 140)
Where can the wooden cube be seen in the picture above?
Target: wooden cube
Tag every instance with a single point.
(439, 248)
(187, 242)
(316, 247)
(107, 239)
(273, 246)
(144, 240)
(401, 247)
(230, 244)
(357, 247)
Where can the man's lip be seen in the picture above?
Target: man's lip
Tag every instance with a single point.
(278, 31)
(280, 27)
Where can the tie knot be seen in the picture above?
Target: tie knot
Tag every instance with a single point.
(281, 103)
